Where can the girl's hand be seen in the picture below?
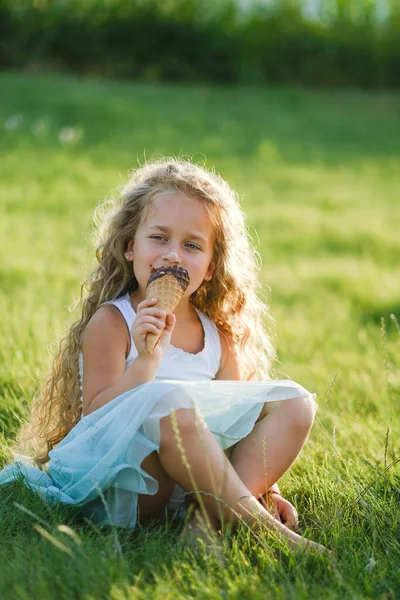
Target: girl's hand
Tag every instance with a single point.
(149, 319)
(282, 510)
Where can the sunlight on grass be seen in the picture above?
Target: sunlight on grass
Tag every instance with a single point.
(318, 175)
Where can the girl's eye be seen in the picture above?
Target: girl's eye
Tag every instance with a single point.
(163, 238)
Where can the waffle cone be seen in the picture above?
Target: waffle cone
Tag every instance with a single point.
(168, 292)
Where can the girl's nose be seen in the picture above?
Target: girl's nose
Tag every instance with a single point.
(171, 257)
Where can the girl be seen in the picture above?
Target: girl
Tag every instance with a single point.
(123, 433)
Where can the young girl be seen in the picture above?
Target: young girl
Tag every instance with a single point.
(123, 433)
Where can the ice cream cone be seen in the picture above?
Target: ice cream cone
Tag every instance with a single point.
(168, 285)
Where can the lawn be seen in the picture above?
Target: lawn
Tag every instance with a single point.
(318, 174)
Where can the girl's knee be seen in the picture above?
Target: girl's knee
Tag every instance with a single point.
(301, 412)
(298, 412)
(180, 423)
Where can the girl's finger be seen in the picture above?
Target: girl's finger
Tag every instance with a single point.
(145, 303)
(290, 524)
(142, 320)
(277, 516)
(153, 312)
(149, 328)
(291, 516)
(170, 322)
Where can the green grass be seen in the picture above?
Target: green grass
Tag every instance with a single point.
(318, 174)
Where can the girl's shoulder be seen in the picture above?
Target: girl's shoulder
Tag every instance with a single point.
(106, 325)
(109, 328)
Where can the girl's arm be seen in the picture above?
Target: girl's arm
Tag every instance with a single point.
(105, 346)
(230, 359)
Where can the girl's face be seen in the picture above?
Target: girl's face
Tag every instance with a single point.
(175, 231)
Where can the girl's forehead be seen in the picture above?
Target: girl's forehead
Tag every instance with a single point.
(177, 209)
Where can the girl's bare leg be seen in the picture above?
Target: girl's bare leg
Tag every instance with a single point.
(150, 507)
(277, 438)
(205, 467)
(290, 422)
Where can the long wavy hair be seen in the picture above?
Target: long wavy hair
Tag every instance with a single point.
(230, 298)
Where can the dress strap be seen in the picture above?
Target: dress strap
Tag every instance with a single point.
(125, 308)
(212, 342)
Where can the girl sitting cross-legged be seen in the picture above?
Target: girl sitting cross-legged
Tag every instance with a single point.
(123, 433)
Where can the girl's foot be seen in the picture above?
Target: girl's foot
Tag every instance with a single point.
(297, 543)
(284, 512)
(196, 534)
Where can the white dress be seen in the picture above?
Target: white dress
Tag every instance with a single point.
(97, 466)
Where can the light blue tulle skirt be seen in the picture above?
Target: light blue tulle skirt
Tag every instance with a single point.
(97, 466)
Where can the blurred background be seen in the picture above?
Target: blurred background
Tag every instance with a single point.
(323, 42)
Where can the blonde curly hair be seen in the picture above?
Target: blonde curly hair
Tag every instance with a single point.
(229, 299)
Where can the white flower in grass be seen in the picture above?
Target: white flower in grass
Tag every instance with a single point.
(13, 122)
(70, 135)
(371, 564)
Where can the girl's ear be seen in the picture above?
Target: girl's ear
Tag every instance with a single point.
(129, 251)
(210, 271)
